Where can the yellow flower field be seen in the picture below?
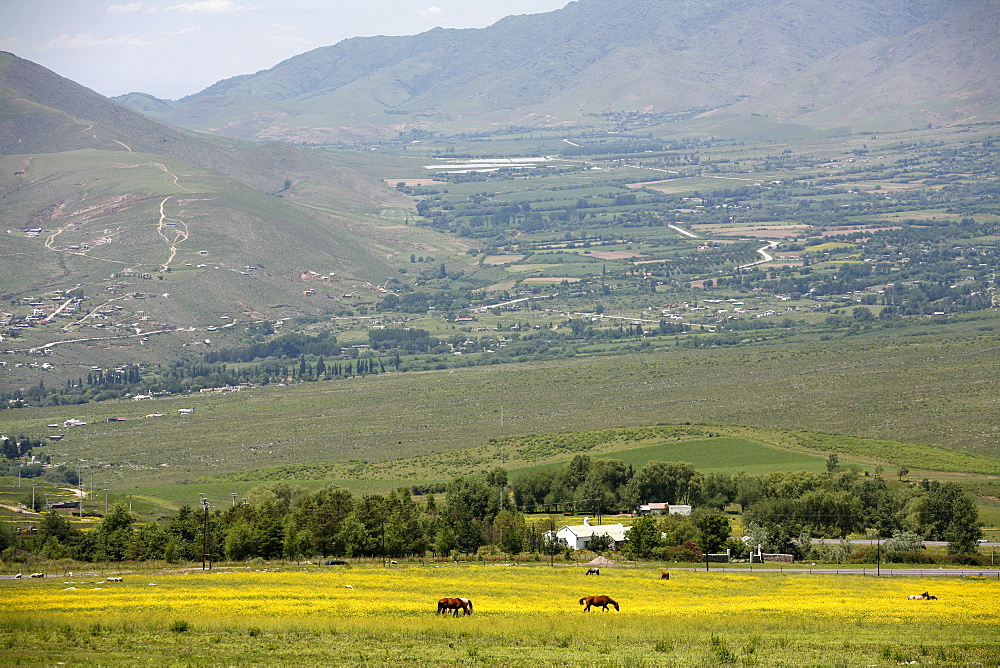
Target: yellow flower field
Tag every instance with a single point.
(522, 612)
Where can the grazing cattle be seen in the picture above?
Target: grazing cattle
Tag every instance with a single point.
(664, 575)
(19, 576)
(593, 571)
(113, 579)
(599, 602)
(455, 604)
(37, 575)
(348, 586)
(922, 597)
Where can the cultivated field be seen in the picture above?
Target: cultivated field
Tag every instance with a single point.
(525, 615)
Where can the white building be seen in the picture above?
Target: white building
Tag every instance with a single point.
(578, 537)
(664, 509)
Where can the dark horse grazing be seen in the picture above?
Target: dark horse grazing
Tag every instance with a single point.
(455, 604)
(593, 571)
(599, 602)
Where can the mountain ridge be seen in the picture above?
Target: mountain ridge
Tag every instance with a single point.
(591, 57)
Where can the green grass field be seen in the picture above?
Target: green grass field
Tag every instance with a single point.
(933, 392)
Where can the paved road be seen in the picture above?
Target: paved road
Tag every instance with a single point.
(867, 570)
(873, 541)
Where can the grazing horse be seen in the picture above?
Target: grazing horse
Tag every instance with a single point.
(455, 604)
(664, 575)
(593, 571)
(599, 602)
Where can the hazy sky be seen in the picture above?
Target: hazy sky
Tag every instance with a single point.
(170, 49)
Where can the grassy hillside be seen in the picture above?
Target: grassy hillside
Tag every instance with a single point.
(933, 390)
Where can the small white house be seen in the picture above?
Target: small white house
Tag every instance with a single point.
(664, 509)
(578, 537)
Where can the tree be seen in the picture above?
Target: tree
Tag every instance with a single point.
(57, 526)
(115, 532)
(298, 540)
(642, 538)
(352, 540)
(601, 543)
(513, 531)
(862, 314)
(322, 513)
(827, 512)
(903, 471)
(713, 532)
(444, 541)
(670, 482)
(963, 530)
(470, 497)
(239, 541)
(903, 541)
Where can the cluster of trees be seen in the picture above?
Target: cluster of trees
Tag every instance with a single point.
(783, 512)
(284, 346)
(787, 504)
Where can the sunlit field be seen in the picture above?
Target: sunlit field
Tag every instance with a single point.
(522, 615)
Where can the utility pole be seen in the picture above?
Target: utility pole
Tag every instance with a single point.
(105, 500)
(205, 555)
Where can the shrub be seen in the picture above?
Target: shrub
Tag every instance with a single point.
(970, 559)
(686, 552)
(180, 626)
(866, 555)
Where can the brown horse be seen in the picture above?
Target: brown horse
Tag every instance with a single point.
(599, 602)
(455, 604)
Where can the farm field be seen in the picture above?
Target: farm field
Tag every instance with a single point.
(526, 615)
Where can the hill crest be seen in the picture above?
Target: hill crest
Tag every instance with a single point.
(604, 56)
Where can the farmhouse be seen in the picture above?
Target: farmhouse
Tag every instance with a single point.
(578, 537)
(664, 509)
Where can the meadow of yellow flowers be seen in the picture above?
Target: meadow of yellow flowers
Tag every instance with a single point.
(521, 614)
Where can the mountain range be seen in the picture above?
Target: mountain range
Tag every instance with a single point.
(856, 63)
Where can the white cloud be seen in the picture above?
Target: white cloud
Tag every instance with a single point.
(208, 7)
(430, 12)
(86, 40)
(11, 44)
(129, 8)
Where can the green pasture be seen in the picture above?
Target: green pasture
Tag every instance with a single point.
(724, 454)
(934, 390)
